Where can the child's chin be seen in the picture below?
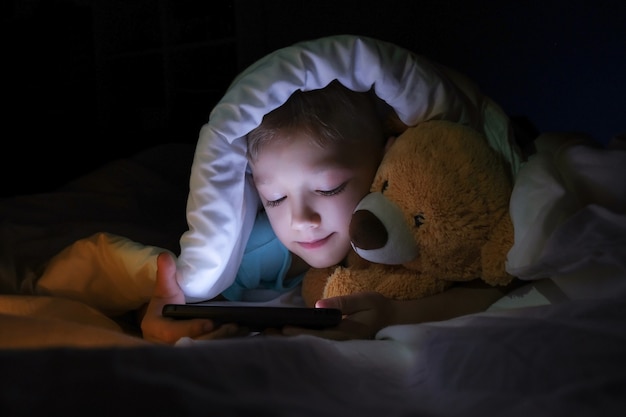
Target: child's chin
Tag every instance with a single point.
(323, 261)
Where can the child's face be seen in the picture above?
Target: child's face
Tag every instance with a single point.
(309, 193)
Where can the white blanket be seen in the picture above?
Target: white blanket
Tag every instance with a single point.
(569, 213)
(565, 359)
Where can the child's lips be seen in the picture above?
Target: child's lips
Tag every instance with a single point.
(314, 244)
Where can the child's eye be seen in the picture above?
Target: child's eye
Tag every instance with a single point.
(333, 191)
(274, 203)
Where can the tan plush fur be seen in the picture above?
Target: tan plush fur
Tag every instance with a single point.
(448, 176)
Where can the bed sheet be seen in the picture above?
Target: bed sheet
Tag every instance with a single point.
(564, 359)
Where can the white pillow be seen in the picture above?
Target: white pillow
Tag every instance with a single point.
(222, 201)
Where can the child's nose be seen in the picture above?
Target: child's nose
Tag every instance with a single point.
(304, 217)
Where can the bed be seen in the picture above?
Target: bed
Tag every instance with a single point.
(79, 261)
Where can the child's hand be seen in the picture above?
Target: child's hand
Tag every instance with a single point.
(365, 314)
(157, 328)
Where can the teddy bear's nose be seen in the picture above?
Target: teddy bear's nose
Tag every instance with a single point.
(367, 231)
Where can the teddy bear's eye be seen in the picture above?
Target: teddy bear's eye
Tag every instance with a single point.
(419, 219)
(384, 187)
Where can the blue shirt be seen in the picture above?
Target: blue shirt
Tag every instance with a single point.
(264, 266)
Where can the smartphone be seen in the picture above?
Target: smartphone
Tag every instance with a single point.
(257, 318)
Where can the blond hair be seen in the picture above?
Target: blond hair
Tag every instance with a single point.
(333, 113)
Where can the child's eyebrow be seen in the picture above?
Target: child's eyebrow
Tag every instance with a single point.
(260, 180)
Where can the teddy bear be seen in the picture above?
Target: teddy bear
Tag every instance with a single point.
(437, 213)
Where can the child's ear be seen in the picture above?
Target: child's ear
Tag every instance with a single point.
(390, 141)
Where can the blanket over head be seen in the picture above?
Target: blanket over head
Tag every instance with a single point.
(223, 202)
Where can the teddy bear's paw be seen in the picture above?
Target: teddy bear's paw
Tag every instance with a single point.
(495, 279)
(494, 253)
(410, 287)
(313, 284)
(345, 281)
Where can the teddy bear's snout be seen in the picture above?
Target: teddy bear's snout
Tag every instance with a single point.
(379, 232)
(367, 231)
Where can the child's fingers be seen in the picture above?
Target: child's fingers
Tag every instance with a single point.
(226, 330)
(166, 286)
(351, 304)
(194, 328)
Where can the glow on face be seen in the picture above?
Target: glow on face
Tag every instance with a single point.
(309, 193)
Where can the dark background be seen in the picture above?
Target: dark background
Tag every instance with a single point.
(86, 81)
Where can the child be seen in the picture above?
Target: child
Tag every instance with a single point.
(312, 160)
